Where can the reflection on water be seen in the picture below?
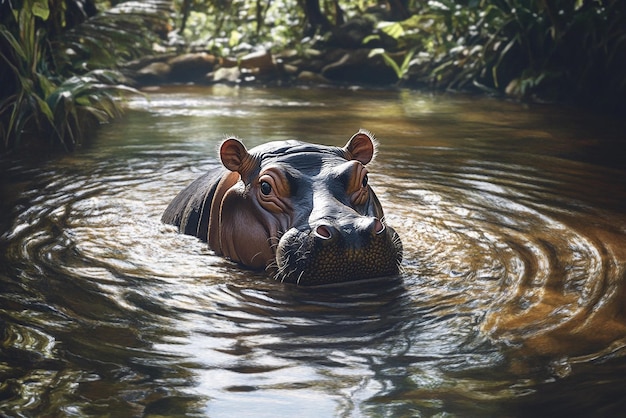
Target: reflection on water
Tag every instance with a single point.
(510, 302)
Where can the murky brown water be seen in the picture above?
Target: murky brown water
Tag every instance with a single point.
(511, 302)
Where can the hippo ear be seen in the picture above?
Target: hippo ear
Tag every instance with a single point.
(361, 147)
(233, 154)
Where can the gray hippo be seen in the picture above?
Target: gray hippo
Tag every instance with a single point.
(304, 212)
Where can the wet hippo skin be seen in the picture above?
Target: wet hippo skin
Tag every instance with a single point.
(304, 212)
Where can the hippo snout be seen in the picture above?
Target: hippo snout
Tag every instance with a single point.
(325, 230)
(338, 251)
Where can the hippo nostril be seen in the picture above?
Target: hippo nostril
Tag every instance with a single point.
(324, 232)
(379, 227)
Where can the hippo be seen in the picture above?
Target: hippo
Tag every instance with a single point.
(304, 212)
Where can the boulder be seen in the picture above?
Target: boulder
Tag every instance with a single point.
(153, 73)
(352, 33)
(225, 75)
(260, 62)
(357, 66)
(191, 67)
(311, 77)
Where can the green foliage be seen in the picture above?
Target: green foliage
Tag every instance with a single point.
(227, 26)
(121, 33)
(400, 70)
(24, 60)
(558, 49)
(82, 101)
(57, 56)
(62, 87)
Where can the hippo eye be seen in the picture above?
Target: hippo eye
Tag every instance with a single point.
(365, 180)
(266, 188)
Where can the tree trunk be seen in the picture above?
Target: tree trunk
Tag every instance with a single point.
(315, 19)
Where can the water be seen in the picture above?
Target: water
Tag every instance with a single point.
(510, 302)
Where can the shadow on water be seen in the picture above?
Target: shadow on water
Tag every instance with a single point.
(510, 302)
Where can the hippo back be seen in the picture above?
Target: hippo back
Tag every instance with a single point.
(190, 209)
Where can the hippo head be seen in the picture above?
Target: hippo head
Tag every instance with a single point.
(305, 212)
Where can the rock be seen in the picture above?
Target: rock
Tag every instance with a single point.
(317, 61)
(515, 89)
(352, 33)
(228, 62)
(154, 73)
(311, 77)
(228, 75)
(191, 67)
(287, 54)
(260, 62)
(290, 69)
(311, 52)
(139, 63)
(357, 66)
(313, 65)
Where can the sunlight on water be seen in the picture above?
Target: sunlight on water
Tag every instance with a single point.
(510, 299)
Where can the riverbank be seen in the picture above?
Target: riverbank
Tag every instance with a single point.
(332, 66)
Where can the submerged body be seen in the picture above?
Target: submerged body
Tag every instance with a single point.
(303, 211)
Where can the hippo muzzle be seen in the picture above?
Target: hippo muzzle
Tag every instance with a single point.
(304, 212)
(362, 249)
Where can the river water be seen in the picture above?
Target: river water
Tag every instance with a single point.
(511, 301)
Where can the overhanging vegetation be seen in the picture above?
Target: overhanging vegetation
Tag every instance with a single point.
(59, 59)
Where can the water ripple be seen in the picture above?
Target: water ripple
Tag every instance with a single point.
(546, 280)
(513, 279)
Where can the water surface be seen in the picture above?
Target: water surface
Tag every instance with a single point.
(510, 303)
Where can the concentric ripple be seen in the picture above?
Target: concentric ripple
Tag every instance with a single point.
(547, 270)
(511, 295)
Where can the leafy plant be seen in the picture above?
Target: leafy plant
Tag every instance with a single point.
(83, 101)
(557, 50)
(400, 70)
(121, 33)
(226, 26)
(28, 103)
(63, 87)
